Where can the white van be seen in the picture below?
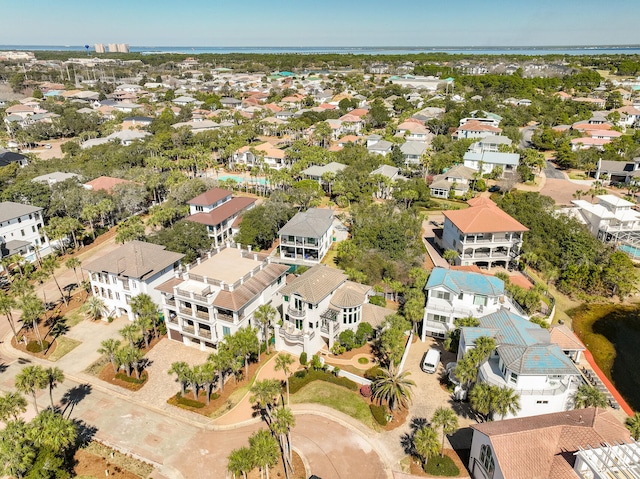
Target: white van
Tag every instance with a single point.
(431, 361)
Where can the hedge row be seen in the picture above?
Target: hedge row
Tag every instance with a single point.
(188, 402)
(132, 379)
(302, 378)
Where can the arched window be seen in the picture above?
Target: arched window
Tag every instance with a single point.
(486, 458)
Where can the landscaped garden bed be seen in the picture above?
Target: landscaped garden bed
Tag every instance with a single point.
(94, 460)
(121, 379)
(449, 465)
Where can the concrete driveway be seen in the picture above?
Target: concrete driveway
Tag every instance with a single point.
(551, 172)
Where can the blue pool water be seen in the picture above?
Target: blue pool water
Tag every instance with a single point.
(632, 251)
(240, 179)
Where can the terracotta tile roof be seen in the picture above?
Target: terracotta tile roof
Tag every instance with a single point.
(167, 286)
(591, 126)
(105, 183)
(274, 108)
(478, 126)
(349, 118)
(542, 447)
(327, 106)
(484, 216)
(359, 112)
(223, 212)
(565, 338)
(235, 300)
(209, 197)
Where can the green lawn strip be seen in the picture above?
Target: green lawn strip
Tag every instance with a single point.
(441, 466)
(73, 317)
(338, 398)
(63, 346)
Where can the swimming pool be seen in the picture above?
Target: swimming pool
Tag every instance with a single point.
(632, 251)
(240, 179)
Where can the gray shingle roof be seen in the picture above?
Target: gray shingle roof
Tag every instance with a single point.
(315, 284)
(10, 210)
(313, 223)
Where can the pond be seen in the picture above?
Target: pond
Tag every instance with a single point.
(612, 334)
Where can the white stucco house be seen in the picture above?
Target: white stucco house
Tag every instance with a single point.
(306, 237)
(21, 231)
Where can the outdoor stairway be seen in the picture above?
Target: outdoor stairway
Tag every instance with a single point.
(595, 381)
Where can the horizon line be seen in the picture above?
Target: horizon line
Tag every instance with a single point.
(623, 45)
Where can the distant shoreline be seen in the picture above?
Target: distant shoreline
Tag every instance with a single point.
(358, 50)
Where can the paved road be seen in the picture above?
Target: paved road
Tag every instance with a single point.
(527, 134)
(553, 173)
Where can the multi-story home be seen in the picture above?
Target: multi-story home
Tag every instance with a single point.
(484, 156)
(414, 131)
(455, 182)
(265, 153)
(561, 445)
(318, 305)
(219, 294)
(454, 294)
(483, 235)
(525, 360)
(611, 219)
(306, 237)
(21, 231)
(217, 209)
(413, 151)
(133, 268)
(476, 129)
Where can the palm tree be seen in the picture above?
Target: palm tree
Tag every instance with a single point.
(110, 348)
(17, 452)
(12, 404)
(450, 256)
(143, 306)
(589, 396)
(264, 315)
(7, 304)
(130, 358)
(30, 380)
(130, 333)
(207, 374)
(633, 425)
(144, 323)
(283, 361)
(265, 394)
(264, 449)
(32, 309)
(181, 370)
(481, 398)
(506, 401)
(49, 264)
(95, 308)
(41, 276)
(52, 431)
(21, 287)
(425, 443)
(283, 421)
(393, 387)
(240, 462)
(447, 421)
(54, 376)
(222, 362)
(74, 264)
(466, 371)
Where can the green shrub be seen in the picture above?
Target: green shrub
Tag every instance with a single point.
(298, 381)
(132, 379)
(34, 346)
(338, 349)
(372, 373)
(303, 359)
(182, 401)
(348, 339)
(441, 466)
(363, 333)
(379, 413)
(336, 371)
(363, 361)
(378, 301)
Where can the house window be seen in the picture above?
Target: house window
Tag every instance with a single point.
(513, 378)
(479, 300)
(226, 331)
(542, 402)
(199, 208)
(486, 458)
(438, 318)
(286, 298)
(441, 295)
(298, 324)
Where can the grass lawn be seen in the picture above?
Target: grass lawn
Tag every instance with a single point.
(563, 303)
(64, 345)
(336, 397)
(74, 317)
(329, 258)
(441, 466)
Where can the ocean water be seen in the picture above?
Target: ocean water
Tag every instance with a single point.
(517, 50)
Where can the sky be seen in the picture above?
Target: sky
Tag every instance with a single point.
(306, 23)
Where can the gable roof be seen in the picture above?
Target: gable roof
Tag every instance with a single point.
(105, 183)
(467, 282)
(226, 210)
(313, 223)
(543, 446)
(10, 210)
(210, 197)
(136, 259)
(484, 216)
(315, 284)
(7, 157)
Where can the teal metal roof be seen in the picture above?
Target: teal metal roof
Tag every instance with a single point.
(464, 281)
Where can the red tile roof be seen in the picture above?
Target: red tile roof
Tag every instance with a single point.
(210, 197)
(484, 216)
(223, 212)
(105, 183)
(479, 126)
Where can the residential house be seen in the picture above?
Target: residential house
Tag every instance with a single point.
(476, 129)
(618, 171)
(125, 137)
(375, 144)
(454, 182)
(316, 172)
(21, 231)
(306, 237)
(611, 219)
(389, 175)
(413, 151)
(414, 131)
(454, 294)
(131, 269)
(252, 155)
(351, 123)
(482, 235)
(576, 444)
(218, 295)
(8, 157)
(217, 209)
(318, 305)
(491, 143)
(55, 177)
(486, 162)
(525, 360)
(231, 103)
(105, 183)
